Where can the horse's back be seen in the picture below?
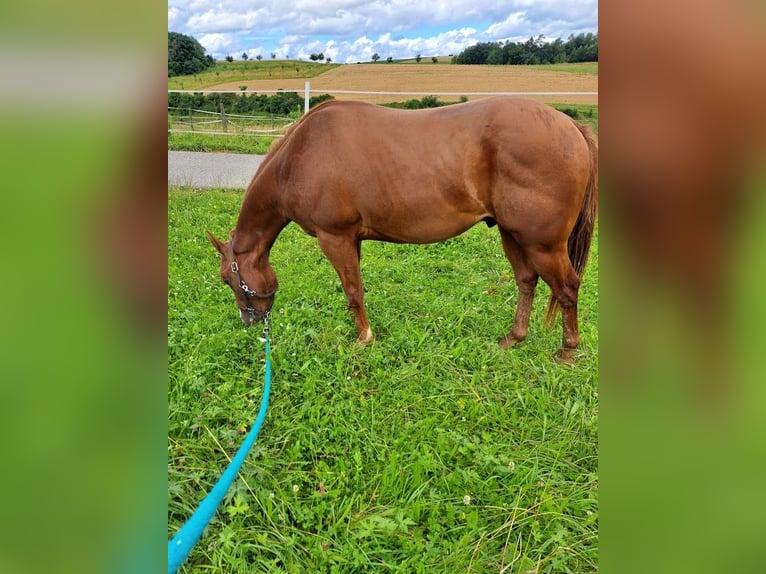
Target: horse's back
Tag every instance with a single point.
(425, 175)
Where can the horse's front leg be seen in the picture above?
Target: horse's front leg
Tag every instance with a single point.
(344, 254)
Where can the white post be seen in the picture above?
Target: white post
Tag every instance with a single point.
(306, 92)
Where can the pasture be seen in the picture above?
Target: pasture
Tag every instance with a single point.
(250, 70)
(430, 450)
(424, 77)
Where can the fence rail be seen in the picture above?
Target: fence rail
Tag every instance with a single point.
(190, 120)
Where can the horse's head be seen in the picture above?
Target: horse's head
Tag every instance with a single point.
(253, 304)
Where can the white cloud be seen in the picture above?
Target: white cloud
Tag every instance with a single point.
(514, 25)
(173, 18)
(213, 21)
(344, 29)
(216, 43)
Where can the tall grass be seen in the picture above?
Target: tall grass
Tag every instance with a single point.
(430, 450)
(239, 143)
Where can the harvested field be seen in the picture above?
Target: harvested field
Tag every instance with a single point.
(430, 78)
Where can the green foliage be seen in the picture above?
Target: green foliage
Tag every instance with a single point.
(186, 55)
(580, 48)
(428, 451)
(415, 104)
(281, 103)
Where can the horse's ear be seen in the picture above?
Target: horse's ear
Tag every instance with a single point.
(217, 244)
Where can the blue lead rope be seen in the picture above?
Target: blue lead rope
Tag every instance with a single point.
(185, 539)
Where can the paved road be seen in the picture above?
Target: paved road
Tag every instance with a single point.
(199, 169)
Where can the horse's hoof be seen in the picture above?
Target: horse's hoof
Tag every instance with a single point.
(564, 356)
(366, 337)
(508, 342)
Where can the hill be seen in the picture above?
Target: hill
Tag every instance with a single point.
(428, 78)
(233, 72)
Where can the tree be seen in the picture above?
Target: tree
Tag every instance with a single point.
(186, 55)
(259, 57)
(244, 56)
(389, 59)
(582, 48)
(476, 54)
(418, 58)
(229, 58)
(434, 59)
(495, 55)
(329, 60)
(375, 57)
(273, 56)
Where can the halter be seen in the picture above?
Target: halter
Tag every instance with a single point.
(250, 292)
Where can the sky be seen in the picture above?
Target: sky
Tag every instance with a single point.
(353, 30)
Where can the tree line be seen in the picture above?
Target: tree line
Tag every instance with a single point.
(580, 48)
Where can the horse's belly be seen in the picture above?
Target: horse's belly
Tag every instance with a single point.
(413, 227)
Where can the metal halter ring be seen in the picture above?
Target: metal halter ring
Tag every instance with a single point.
(249, 292)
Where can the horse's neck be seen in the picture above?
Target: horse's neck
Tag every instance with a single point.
(257, 227)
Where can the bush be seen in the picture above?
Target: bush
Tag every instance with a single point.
(280, 104)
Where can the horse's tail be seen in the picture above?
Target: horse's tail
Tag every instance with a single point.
(582, 234)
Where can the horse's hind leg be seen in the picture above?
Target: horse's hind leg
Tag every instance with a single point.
(526, 280)
(344, 253)
(555, 267)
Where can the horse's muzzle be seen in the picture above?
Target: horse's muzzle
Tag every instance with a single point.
(248, 316)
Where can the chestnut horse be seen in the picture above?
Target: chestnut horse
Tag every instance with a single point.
(350, 171)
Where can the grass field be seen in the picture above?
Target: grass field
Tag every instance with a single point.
(425, 77)
(430, 451)
(250, 70)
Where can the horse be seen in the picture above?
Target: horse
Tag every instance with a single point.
(350, 171)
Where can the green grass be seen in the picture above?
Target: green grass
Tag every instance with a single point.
(219, 143)
(590, 68)
(224, 72)
(431, 450)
